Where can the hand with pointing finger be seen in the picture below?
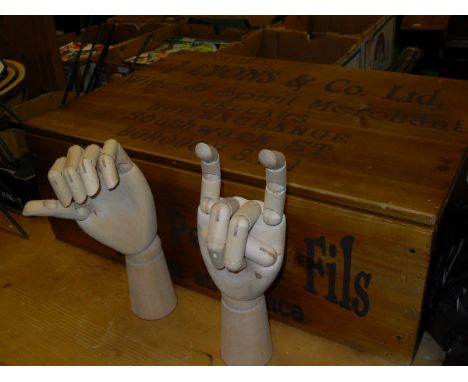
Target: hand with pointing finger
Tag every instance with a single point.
(110, 199)
(242, 245)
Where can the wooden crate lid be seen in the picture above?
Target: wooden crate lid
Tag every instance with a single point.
(381, 142)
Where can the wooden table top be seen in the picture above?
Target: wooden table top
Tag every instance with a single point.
(62, 305)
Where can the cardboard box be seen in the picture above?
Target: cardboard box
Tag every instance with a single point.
(300, 46)
(344, 25)
(240, 20)
(379, 45)
(376, 32)
(147, 19)
(115, 62)
(376, 160)
(123, 33)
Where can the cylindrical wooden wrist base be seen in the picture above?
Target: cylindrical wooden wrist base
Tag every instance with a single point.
(152, 294)
(245, 332)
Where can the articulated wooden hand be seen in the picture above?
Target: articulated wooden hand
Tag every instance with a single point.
(110, 199)
(242, 244)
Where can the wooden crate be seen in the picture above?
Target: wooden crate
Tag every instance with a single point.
(375, 159)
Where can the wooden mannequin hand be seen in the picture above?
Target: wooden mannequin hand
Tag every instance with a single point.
(242, 245)
(242, 242)
(110, 199)
(107, 195)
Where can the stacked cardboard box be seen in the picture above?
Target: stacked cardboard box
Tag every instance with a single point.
(375, 32)
(318, 48)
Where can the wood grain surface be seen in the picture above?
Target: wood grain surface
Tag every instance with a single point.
(388, 156)
(62, 305)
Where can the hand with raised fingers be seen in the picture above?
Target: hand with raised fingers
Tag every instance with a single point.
(242, 245)
(110, 199)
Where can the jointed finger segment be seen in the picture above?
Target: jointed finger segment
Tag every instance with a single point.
(220, 216)
(73, 176)
(58, 182)
(211, 176)
(275, 191)
(122, 161)
(112, 161)
(260, 253)
(207, 154)
(55, 209)
(88, 169)
(108, 171)
(238, 232)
